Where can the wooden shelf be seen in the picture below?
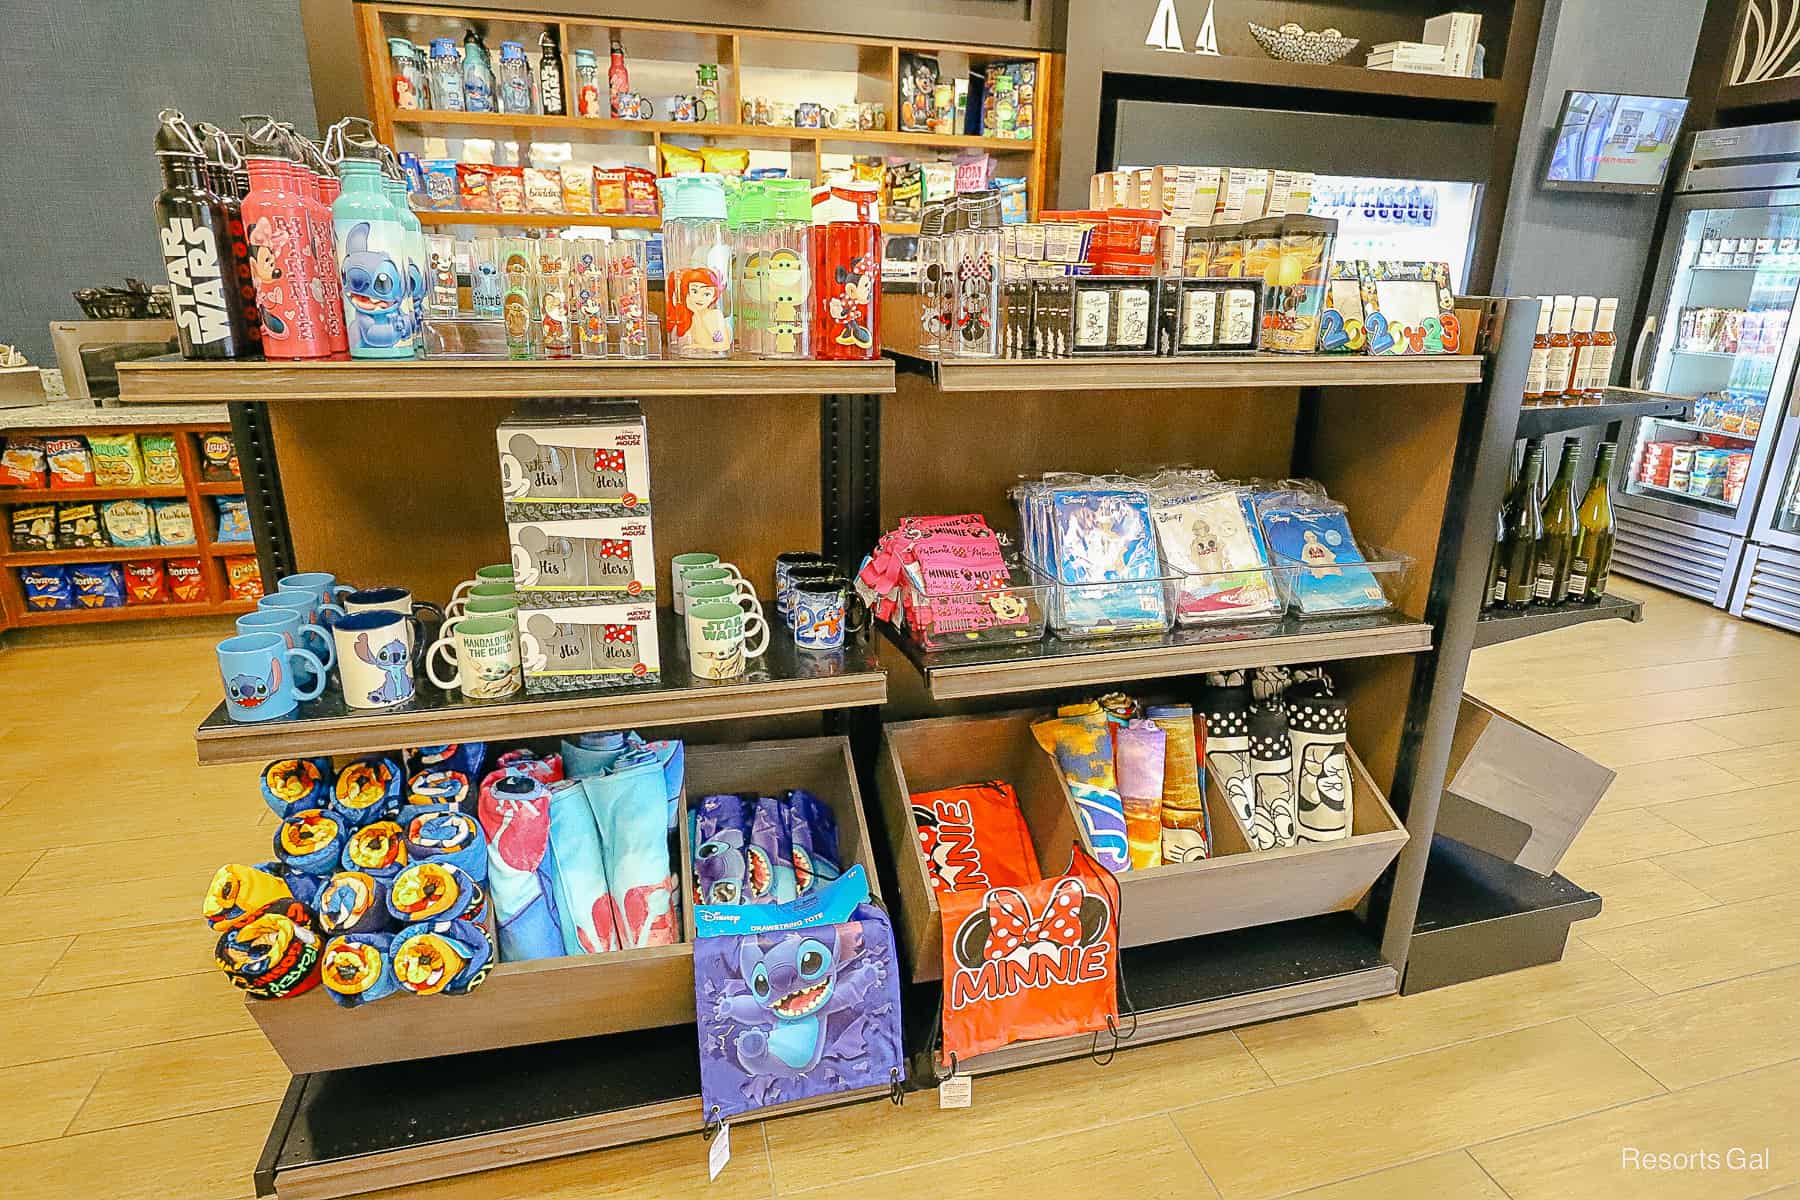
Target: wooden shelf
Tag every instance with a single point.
(783, 681)
(232, 549)
(130, 612)
(1054, 663)
(1219, 371)
(1507, 624)
(156, 379)
(430, 216)
(431, 119)
(72, 495)
(47, 558)
(1270, 72)
(219, 487)
(1621, 404)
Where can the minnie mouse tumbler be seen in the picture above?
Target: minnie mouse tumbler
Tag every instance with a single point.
(290, 278)
(848, 288)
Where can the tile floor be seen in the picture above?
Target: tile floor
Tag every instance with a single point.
(128, 1068)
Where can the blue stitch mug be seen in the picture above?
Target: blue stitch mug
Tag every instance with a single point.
(375, 658)
(323, 587)
(257, 671)
(292, 626)
(303, 604)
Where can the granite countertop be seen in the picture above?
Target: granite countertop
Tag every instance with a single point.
(79, 414)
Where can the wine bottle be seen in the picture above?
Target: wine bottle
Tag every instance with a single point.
(1591, 558)
(1523, 524)
(1496, 586)
(1557, 542)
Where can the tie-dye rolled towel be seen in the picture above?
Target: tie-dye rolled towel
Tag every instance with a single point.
(1140, 747)
(515, 816)
(1079, 738)
(238, 891)
(368, 789)
(466, 758)
(578, 873)
(378, 849)
(311, 841)
(720, 837)
(293, 785)
(442, 958)
(436, 891)
(813, 836)
(358, 968)
(630, 813)
(272, 953)
(445, 834)
(354, 902)
(439, 787)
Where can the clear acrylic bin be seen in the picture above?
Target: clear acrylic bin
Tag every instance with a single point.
(1336, 589)
(1003, 615)
(1217, 597)
(1115, 608)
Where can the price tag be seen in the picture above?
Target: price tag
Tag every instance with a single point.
(719, 1153)
(956, 1092)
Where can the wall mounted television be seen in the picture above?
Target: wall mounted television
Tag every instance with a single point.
(1610, 142)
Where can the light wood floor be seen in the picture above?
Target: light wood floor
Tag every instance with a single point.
(128, 1068)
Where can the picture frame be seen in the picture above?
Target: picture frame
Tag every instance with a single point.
(1342, 329)
(1407, 308)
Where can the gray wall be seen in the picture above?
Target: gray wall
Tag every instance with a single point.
(1577, 242)
(85, 80)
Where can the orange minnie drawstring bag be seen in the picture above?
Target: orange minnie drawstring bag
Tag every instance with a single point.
(1039, 960)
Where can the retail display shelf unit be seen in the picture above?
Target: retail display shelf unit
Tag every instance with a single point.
(1620, 404)
(217, 600)
(156, 379)
(1508, 624)
(783, 681)
(1221, 371)
(750, 61)
(1415, 449)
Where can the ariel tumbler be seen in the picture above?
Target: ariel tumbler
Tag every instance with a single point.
(697, 266)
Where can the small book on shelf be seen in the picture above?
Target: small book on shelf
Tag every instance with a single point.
(1457, 33)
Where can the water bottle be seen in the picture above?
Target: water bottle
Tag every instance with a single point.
(418, 256)
(477, 76)
(222, 160)
(285, 267)
(446, 74)
(550, 77)
(408, 78)
(1428, 213)
(515, 79)
(590, 96)
(319, 187)
(696, 266)
(194, 236)
(787, 269)
(371, 248)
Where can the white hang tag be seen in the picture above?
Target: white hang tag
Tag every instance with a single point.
(719, 1152)
(956, 1092)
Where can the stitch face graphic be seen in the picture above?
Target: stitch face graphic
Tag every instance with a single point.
(803, 993)
(377, 290)
(719, 865)
(392, 660)
(797, 988)
(250, 691)
(485, 289)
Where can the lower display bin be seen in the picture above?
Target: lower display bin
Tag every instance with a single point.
(554, 999)
(1236, 888)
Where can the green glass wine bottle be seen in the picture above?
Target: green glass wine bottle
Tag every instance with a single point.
(1592, 557)
(1557, 543)
(1524, 525)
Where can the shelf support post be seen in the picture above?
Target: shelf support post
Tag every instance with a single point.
(262, 490)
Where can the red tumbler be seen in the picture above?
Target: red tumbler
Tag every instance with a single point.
(290, 290)
(847, 290)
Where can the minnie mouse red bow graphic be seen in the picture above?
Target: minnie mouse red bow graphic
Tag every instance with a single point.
(1012, 930)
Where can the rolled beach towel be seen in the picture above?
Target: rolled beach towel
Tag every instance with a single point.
(466, 758)
(436, 891)
(311, 841)
(447, 835)
(1140, 749)
(358, 968)
(515, 816)
(353, 902)
(378, 850)
(274, 952)
(578, 879)
(1079, 738)
(629, 811)
(547, 768)
(238, 891)
(1186, 836)
(447, 958)
(368, 789)
(438, 787)
(589, 754)
(292, 785)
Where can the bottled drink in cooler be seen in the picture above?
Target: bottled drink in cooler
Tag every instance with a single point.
(1551, 584)
(1591, 558)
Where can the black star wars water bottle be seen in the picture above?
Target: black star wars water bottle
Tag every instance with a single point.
(194, 235)
(222, 162)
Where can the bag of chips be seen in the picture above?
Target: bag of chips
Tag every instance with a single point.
(22, 463)
(218, 458)
(98, 585)
(46, 588)
(78, 527)
(128, 523)
(243, 578)
(641, 196)
(609, 190)
(678, 160)
(71, 466)
(577, 188)
(117, 462)
(543, 190)
(162, 462)
(34, 527)
(724, 160)
(475, 183)
(234, 519)
(509, 189)
(185, 581)
(174, 522)
(144, 582)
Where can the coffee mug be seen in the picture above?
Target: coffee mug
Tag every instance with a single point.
(737, 591)
(785, 562)
(484, 652)
(694, 560)
(390, 599)
(824, 611)
(293, 627)
(322, 585)
(717, 634)
(257, 671)
(490, 590)
(544, 559)
(305, 604)
(486, 606)
(806, 573)
(375, 658)
(494, 573)
(546, 644)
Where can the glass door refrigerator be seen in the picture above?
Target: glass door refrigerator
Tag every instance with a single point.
(1768, 582)
(1722, 330)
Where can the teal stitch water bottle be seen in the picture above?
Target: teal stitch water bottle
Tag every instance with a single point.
(446, 74)
(371, 248)
(393, 182)
(478, 76)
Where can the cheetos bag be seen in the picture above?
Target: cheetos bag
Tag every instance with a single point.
(1030, 962)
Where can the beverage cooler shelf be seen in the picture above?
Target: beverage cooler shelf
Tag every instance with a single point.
(153, 380)
(1508, 624)
(1621, 404)
(1214, 371)
(783, 681)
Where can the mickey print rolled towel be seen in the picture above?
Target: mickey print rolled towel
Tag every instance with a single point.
(1226, 711)
(1319, 726)
(1272, 774)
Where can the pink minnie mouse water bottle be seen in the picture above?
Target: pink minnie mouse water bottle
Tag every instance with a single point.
(290, 292)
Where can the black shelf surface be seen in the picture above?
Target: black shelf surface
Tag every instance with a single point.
(783, 680)
(1620, 404)
(1052, 662)
(1507, 624)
